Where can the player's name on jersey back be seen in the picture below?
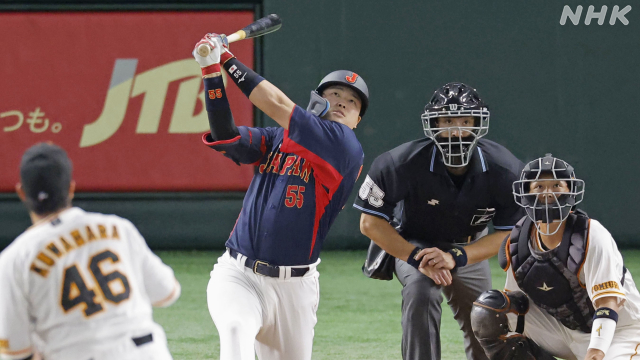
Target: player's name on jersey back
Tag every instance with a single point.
(58, 248)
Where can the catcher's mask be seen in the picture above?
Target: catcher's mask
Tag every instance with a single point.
(456, 143)
(548, 206)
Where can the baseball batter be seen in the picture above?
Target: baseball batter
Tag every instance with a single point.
(264, 293)
(441, 192)
(78, 285)
(581, 303)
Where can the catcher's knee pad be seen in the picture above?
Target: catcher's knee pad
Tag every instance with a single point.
(489, 313)
(515, 347)
(491, 326)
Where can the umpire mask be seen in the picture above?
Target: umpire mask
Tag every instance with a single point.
(458, 142)
(554, 194)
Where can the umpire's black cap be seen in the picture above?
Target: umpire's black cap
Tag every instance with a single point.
(45, 175)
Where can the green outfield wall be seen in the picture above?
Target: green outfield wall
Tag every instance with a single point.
(572, 90)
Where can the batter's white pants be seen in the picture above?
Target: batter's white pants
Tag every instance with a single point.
(568, 344)
(254, 314)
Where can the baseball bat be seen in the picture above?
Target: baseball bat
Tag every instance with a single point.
(266, 25)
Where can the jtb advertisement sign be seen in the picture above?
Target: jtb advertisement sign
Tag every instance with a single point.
(121, 93)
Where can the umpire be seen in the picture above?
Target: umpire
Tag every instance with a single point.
(441, 191)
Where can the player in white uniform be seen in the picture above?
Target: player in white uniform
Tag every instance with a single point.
(78, 285)
(582, 302)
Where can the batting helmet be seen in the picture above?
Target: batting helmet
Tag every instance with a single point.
(340, 77)
(456, 100)
(559, 203)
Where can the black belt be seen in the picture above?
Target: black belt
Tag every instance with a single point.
(142, 339)
(263, 267)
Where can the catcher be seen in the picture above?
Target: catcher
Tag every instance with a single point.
(564, 271)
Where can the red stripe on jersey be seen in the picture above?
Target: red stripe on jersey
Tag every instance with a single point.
(323, 172)
(220, 142)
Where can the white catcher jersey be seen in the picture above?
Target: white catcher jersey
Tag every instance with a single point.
(79, 280)
(601, 274)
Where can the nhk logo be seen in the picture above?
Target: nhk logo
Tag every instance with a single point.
(154, 83)
(616, 15)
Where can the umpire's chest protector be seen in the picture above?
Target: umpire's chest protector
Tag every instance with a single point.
(551, 278)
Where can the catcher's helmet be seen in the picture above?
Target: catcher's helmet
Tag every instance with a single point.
(559, 204)
(341, 77)
(456, 100)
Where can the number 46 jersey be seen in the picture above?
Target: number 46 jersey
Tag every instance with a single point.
(81, 283)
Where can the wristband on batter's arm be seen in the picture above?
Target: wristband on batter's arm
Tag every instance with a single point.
(413, 260)
(239, 73)
(217, 105)
(459, 256)
(605, 321)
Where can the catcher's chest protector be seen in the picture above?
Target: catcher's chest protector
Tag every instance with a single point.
(550, 278)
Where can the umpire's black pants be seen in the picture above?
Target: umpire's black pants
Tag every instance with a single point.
(421, 310)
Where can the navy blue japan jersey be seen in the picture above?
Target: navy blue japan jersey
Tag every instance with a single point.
(305, 175)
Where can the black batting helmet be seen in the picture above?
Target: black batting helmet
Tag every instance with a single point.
(350, 79)
(456, 99)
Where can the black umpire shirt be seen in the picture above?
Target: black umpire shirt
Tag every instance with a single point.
(410, 187)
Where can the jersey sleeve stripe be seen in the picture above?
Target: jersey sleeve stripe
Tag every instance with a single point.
(171, 298)
(207, 136)
(609, 293)
(21, 353)
(371, 212)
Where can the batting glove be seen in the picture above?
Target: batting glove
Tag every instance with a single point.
(216, 44)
